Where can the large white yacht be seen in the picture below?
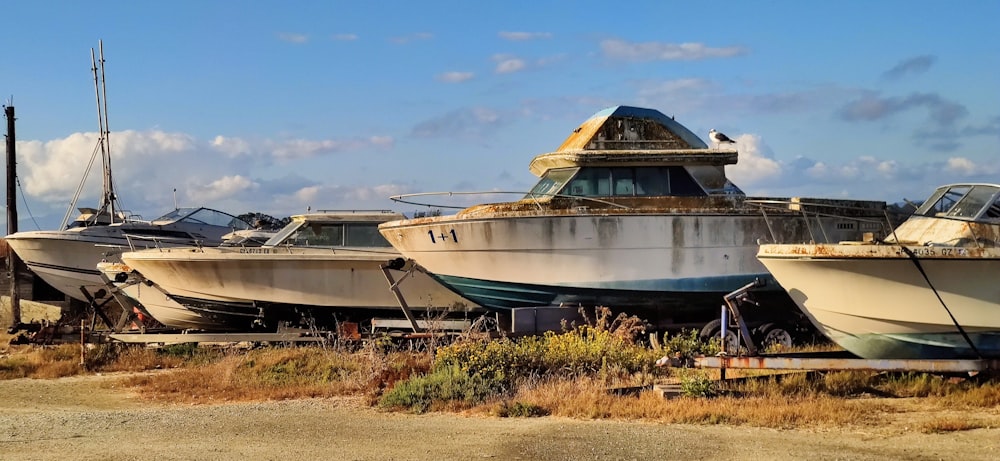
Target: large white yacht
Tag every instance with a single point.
(633, 211)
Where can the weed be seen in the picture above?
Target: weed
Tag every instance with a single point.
(519, 410)
(443, 385)
(698, 385)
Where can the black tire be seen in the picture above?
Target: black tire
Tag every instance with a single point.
(771, 334)
(713, 329)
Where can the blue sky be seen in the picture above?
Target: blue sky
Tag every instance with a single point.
(279, 106)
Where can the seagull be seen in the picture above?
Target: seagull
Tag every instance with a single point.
(719, 138)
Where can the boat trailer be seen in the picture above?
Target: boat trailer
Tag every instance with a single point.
(816, 361)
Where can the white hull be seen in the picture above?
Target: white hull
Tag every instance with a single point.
(67, 260)
(155, 302)
(318, 277)
(874, 301)
(634, 258)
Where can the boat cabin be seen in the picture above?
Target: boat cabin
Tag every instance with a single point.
(632, 152)
(335, 229)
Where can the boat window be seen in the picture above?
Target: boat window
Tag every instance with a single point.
(318, 234)
(551, 182)
(682, 184)
(974, 201)
(175, 214)
(365, 235)
(216, 218)
(624, 180)
(282, 235)
(994, 210)
(590, 182)
(942, 201)
(651, 181)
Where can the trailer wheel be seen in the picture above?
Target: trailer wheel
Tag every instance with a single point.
(775, 334)
(714, 328)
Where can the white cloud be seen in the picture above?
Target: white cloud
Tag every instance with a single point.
(753, 165)
(523, 36)
(657, 51)
(455, 77)
(292, 37)
(233, 147)
(510, 65)
(962, 166)
(345, 37)
(223, 188)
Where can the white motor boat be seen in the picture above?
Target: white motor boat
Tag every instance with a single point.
(67, 258)
(633, 212)
(927, 291)
(320, 265)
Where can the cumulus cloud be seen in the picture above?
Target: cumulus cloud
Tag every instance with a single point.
(912, 66)
(618, 49)
(344, 37)
(755, 164)
(455, 77)
(292, 37)
(523, 36)
(148, 165)
(961, 166)
(224, 187)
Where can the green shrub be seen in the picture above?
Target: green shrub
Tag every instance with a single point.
(698, 385)
(443, 385)
(520, 410)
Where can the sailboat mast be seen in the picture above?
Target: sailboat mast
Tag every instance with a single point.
(109, 184)
(100, 136)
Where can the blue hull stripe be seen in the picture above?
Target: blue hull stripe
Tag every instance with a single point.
(647, 293)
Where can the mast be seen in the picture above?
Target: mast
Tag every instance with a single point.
(105, 204)
(109, 184)
(13, 262)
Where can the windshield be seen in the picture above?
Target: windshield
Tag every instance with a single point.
(552, 181)
(962, 202)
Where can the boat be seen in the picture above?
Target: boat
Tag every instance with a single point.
(143, 298)
(324, 266)
(926, 291)
(67, 258)
(633, 212)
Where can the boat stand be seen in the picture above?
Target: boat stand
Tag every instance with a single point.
(819, 361)
(398, 264)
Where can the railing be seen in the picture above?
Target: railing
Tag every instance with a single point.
(403, 198)
(813, 212)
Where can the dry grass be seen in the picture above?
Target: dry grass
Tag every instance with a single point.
(929, 403)
(282, 373)
(950, 424)
(590, 399)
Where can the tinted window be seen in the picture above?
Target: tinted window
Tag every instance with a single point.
(365, 235)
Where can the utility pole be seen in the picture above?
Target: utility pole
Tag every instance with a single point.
(13, 262)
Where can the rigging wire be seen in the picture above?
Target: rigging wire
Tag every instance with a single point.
(25, 201)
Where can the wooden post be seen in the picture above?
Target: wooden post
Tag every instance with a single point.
(13, 262)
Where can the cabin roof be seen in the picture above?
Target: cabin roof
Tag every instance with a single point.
(626, 135)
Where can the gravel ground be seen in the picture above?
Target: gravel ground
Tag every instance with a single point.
(83, 418)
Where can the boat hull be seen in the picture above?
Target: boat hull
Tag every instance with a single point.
(665, 262)
(879, 302)
(67, 260)
(316, 277)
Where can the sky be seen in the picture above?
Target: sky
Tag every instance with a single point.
(282, 107)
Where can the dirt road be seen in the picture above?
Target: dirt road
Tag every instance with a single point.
(81, 418)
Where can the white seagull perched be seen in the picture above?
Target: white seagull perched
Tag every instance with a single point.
(719, 138)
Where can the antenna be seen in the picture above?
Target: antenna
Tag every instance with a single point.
(110, 186)
(175, 198)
